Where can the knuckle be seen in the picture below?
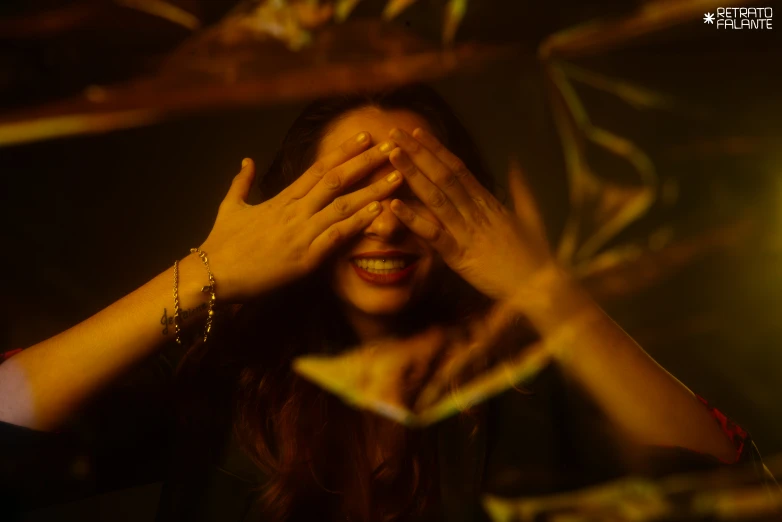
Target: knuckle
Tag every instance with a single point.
(437, 198)
(459, 168)
(478, 216)
(449, 180)
(495, 205)
(409, 170)
(341, 205)
(287, 217)
(318, 169)
(332, 180)
(300, 251)
(334, 235)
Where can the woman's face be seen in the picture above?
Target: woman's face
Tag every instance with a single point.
(385, 267)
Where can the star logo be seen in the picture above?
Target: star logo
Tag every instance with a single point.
(708, 18)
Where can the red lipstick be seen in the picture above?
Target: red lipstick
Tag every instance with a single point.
(386, 279)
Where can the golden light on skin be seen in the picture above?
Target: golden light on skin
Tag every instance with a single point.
(370, 301)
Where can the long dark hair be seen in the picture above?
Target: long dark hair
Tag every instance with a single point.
(308, 444)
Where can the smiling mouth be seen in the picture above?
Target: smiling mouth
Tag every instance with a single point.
(385, 270)
(388, 265)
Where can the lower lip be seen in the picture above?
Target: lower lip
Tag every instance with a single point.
(385, 279)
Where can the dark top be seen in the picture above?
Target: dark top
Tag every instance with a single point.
(546, 441)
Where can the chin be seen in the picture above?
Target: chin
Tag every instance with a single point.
(380, 305)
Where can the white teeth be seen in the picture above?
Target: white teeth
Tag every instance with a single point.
(381, 266)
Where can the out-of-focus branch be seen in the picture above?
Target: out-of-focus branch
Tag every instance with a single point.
(154, 99)
(164, 10)
(597, 36)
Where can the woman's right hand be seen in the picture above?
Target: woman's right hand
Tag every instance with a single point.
(255, 248)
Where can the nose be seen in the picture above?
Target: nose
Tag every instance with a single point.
(386, 226)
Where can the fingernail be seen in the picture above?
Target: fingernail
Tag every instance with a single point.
(374, 206)
(245, 162)
(393, 176)
(397, 134)
(418, 132)
(362, 137)
(387, 146)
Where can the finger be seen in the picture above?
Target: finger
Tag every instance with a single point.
(339, 232)
(336, 180)
(438, 172)
(523, 200)
(477, 192)
(429, 193)
(439, 238)
(349, 149)
(240, 186)
(342, 207)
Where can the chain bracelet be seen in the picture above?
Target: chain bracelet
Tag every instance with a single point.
(177, 328)
(210, 288)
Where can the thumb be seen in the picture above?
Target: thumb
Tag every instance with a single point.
(240, 187)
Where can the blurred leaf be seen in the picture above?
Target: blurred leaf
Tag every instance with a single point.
(637, 96)
(630, 268)
(420, 380)
(394, 7)
(599, 209)
(423, 379)
(209, 73)
(590, 38)
(288, 22)
(736, 493)
(28, 130)
(454, 13)
(343, 9)
(165, 10)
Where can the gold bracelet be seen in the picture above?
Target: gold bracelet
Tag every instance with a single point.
(210, 288)
(176, 302)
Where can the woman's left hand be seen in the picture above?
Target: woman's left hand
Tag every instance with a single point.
(478, 238)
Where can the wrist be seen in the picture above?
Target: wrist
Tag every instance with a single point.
(552, 298)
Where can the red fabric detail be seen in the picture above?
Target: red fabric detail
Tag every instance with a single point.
(7, 355)
(736, 434)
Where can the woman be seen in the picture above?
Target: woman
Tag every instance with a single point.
(378, 221)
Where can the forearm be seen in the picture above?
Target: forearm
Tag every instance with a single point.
(638, 396)
(43, 385)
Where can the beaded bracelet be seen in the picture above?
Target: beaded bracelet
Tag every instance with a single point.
(210, 288)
